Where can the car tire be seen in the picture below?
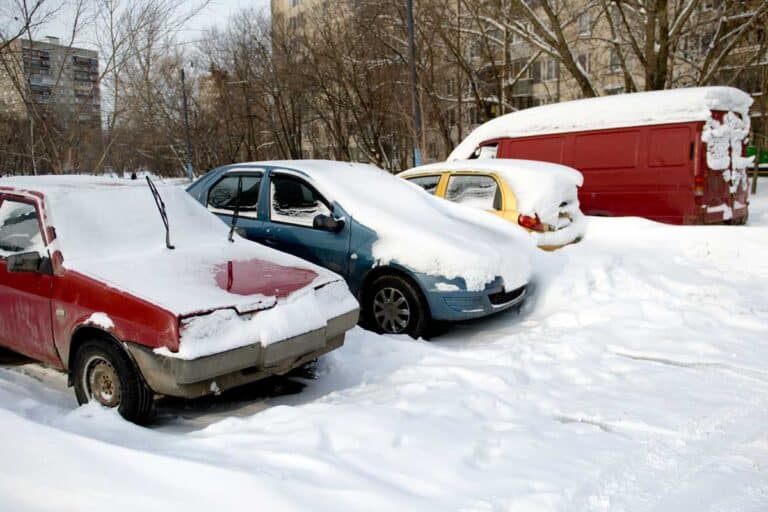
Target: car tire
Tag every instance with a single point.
(393, 305)
(103, 372)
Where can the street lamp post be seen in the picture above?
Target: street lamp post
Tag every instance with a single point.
(186, 125)
(414, 85)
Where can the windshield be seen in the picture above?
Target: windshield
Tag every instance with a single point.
(116, 221)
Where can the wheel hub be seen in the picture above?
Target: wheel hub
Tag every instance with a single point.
(391, 310)
(102, 382)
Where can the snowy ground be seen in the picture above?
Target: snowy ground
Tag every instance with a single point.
(637, 380)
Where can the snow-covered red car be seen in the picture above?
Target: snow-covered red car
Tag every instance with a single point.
(94, 283)
(539, 196)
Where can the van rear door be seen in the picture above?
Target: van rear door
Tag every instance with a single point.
(722, 169)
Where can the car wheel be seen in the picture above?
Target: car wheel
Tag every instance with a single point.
(105, 374)
(394, 306)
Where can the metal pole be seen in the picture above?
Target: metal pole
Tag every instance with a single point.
(32, 144)
(414, 85)
(459, 85)
(186, 125)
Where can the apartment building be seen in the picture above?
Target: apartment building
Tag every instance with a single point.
(55, 79)
(509, 73)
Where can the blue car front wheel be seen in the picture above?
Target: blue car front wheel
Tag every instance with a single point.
(394, 306)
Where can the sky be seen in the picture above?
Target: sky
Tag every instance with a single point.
(216, 13)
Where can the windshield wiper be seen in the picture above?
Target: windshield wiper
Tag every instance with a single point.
(161, 207)
(236, 213)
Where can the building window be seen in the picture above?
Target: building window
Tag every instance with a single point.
(585, 24)
(450, 86)
(550, 69)
(614, 64)
(583, 59)
(294, 3)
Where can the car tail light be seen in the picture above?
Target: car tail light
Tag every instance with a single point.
(533, 223)
(698, 185)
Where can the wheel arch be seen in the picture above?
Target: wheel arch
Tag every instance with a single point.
(85, 333)
(389, 270)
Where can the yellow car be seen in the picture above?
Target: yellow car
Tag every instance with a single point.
(541, 197)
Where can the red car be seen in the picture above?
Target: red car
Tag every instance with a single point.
(135, 291)
(673, 156)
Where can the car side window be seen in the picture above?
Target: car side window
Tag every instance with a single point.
(19, 228)
(222, 197)
(293, 201)
(481, 192)
(428, 183)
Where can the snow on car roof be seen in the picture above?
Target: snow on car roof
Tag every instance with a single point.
(633, 109)
(501, 166)
(416, 230)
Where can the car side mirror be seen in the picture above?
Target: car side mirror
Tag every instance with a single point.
(28, 262)
(328, 223)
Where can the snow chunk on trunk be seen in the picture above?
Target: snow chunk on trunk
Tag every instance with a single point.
(225, 329)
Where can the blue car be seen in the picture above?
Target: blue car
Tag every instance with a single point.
(409, 258)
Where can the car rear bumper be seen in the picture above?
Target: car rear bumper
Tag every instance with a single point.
(191, 378)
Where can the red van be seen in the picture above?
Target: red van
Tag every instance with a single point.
(673, 156)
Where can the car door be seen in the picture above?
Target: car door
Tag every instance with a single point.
(25, 297)
(293, 205)
(222, 200)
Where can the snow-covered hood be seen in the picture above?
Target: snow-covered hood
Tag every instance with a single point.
(424, 233)
(636, 109)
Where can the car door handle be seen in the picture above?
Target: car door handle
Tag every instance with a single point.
(270, 241)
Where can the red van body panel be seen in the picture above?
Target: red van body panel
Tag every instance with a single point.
(646, 171)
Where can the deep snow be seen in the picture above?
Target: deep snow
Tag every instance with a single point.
(635, 380)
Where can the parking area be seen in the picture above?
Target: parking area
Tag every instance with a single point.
(635, 379)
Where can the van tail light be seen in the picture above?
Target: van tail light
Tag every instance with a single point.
(698, 185)
(533, 223)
